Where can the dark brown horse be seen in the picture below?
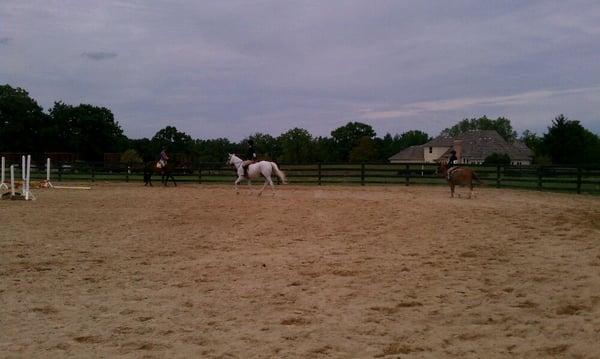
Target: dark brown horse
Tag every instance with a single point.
(165, 172)
(461, 176)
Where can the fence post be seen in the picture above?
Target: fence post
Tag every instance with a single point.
(92, 169)
(362, 174)
(200, 175)
(578, 180)
(127, 174)
(407, 175)
(497, 176)
(60, 170)
(540, 170)
(319, 172)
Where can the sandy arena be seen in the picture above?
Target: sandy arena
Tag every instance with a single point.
(342, 272)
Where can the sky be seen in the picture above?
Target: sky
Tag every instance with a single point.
(232, 68)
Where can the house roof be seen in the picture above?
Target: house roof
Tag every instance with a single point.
(412, 153)
(480, 144)
(476, 145)
(443, 140)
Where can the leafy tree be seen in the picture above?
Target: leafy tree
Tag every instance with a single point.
(389, 146)
(86, 129)
(22, 122)
(501, 125)
(296, 146)
(364, 151)
(347, 137)
(497, 159)
(532, 140)
(144, 148)
(325, 150)
(567, 142)
(173, 140)
(267, 147)
(131, 156)
(214, 150)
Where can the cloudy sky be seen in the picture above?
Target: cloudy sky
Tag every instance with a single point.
(234, 67)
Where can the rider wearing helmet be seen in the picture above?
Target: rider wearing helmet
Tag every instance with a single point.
(162, 162)
(452, 162)
(250, 157)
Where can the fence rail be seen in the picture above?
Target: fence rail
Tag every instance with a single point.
(579, 179)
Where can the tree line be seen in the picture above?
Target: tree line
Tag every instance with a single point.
(91, 131)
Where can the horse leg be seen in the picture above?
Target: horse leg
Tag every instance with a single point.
(451, 190)
(271, 184)
(264, 185)
(235, 184)
(471, 189)
(173, 179)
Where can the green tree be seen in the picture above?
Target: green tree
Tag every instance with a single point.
(267, 147)
(567, 142)
(497, 159)
(173, 140)
(501, 125)
(86, 129)
(532, 140)
(325, 150)
(389, 146)
(214, 150)
(364, 151)
(347, 137)
(131, 156)
(296, 146)
(144, 148)
(23, 125)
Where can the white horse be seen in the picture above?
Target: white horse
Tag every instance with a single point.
(262, 168)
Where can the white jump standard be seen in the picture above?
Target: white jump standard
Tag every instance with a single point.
(2, 184)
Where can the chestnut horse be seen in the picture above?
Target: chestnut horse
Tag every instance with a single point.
(165, 172)
(461, 176)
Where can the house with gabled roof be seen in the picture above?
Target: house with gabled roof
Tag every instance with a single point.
(471, 148)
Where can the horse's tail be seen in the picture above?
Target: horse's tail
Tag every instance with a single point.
(278, 172)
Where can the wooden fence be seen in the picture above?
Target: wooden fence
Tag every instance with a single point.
(578, 179)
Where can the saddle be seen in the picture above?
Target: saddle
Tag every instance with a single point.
(245, 167)
(450, 171)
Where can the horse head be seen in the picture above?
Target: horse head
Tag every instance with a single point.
(441, 169)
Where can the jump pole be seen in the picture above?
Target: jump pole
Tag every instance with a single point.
(26, 191)
(12, 181)
(2, 184)
(59, 187)
(48, 183)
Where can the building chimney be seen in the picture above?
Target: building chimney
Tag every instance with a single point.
(458, 147)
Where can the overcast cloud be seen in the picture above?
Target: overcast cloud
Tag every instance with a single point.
(232, 68)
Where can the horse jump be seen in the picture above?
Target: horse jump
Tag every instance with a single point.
(26, 193)
(49, 184)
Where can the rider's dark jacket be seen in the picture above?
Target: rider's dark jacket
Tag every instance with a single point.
(452, 160)
(251, 154)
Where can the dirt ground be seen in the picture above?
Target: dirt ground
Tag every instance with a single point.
(341, 272)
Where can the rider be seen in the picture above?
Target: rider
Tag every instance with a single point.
(163, 158)
(250, 157)
(452, 162)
